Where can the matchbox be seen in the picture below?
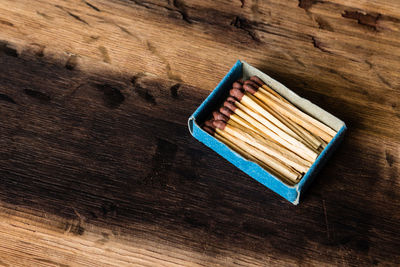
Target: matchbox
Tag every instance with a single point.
(242, 70)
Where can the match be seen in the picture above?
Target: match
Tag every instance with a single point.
(264, 127)
(290, 111)
(269, 128)
(273, 163)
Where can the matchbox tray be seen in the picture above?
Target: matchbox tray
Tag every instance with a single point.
(242, 70)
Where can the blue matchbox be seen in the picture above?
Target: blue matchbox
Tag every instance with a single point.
(242, 70)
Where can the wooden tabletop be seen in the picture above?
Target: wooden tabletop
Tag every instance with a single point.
(97, 166)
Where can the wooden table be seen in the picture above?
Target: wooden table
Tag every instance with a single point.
(97, 166)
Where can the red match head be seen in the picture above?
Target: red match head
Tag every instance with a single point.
(250, 87)
(231, 99)
(209, 123)
(237, 85)
(257, 80)
(231, 106)
(226, 111)
(209, 130)
(218, 116)
(219, 124)
(236, 93)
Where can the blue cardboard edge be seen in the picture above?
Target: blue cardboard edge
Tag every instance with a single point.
(214, 97)
(289, 192)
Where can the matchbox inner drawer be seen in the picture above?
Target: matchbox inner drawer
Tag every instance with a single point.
(242, 70)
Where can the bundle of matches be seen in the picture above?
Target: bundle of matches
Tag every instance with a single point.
(262, 126)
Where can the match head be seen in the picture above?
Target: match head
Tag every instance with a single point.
(219, 125)
(218, 116)
(237, 85)
(250, 86)
(229, 105)
(236, 93)
(209, 123)
(209, 130)
(226, 111)
(257, 80)
(231, 99)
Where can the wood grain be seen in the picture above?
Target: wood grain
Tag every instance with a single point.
(96, 163)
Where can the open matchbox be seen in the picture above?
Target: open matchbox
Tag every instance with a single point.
(242, 70)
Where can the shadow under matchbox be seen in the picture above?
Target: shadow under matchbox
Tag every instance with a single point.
(291, 192)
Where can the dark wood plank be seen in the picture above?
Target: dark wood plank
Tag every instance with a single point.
(97, 166)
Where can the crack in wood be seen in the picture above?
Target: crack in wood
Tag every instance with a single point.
(78, 18)
(306, 4)
(38, 95)
(245, 25)
(370, 20)
(6, 98)
(92, 6)
(174, 90)
(318, 44)
(44, 15)
(7, 23)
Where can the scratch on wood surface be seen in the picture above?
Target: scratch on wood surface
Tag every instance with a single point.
(42, 97)
(326, 219)
(92, 6)
(51, 262)
(78, 18)
(4, 22)
(383, 80)
(44, 15)
(318, 44)
(7, 98)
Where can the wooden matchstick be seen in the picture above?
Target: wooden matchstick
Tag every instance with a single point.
(265, 87)
(247, 156)
(300, 133)
(270, 114)
(293, 113)
(278, 166)
(267, 133)
(268, 128)
(295, 162)
(257, 139)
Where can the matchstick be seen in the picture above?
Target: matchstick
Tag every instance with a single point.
(294, 161)
(269, 114)
(291, 112)
(265, 132)
(301, 134)
(278, 166)
(317, 123)
(248, 101)
(268, 128)
(245, 155)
